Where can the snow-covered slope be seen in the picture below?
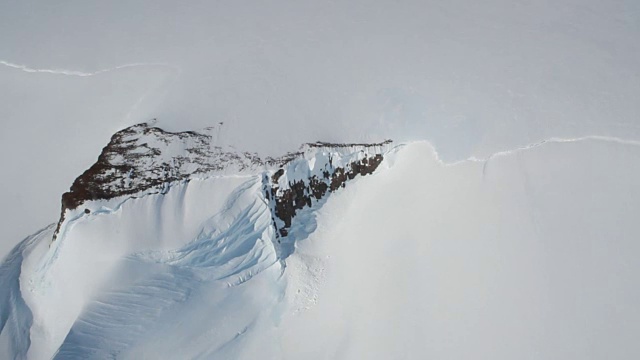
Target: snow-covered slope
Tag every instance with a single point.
(161, 222)
(535, 258)
(473, 77)
(207, 253)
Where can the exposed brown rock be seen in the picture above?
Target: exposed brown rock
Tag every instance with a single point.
(139, 158)
(299, 195)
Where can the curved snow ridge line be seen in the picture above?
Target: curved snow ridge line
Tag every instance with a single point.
(556, 140)
(16, 318)
(237, 253)
(112, 206)
(66, 72)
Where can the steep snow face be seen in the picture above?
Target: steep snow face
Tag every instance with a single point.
(71, 274)
(162, 225)
(142, 159)
(524, 254)
(15, 316)
(145, 159)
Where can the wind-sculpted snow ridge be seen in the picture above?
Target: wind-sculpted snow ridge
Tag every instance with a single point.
(211, 264)
(15, 316)
(146, 159)
(162, 226)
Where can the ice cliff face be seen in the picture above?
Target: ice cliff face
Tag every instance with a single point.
(143, 159)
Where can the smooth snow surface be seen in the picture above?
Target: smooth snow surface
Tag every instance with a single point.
(520, 257)
(531, 260)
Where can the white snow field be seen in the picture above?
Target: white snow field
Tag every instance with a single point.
(522, 256)
(501, 225)
(472, 77)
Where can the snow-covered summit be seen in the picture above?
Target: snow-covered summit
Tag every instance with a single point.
(161, 221)
(147, 159)
(282, 262)
(143, 156)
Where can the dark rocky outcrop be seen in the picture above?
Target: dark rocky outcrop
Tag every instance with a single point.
(144, 158)
(136, 159)
(300, 194)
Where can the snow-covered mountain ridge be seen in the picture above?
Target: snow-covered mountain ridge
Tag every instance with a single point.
(143, 159)
(199, 267)
(159, 218)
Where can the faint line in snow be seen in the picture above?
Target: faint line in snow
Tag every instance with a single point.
(555, 140)
(66, 72)
(552, 140)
